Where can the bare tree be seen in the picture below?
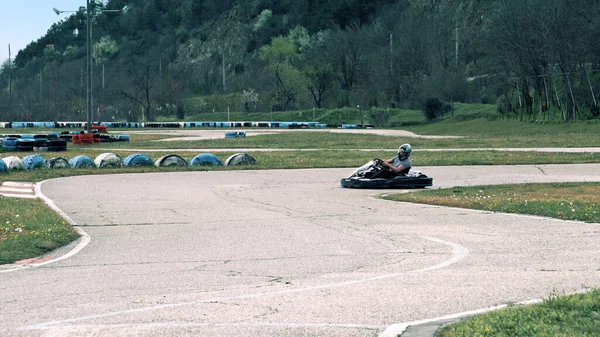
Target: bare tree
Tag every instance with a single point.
(142, 85)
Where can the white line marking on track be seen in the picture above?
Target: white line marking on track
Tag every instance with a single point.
(196, 324)
(458, 253)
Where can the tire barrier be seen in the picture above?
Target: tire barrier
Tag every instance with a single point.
(81, 162)
(240, 159)
(13, 163)
(108, 160)
(36, 161)
(208, 124)
(170, 160)
(10, 144)
(3, 167)
(208, 159)
(57, 145)
(57, 163)
(40, 144)
(86, 138)
(83, 138)
(25, 144)
(137, 159)
(235, 134)
(33, 162)
(123, 138)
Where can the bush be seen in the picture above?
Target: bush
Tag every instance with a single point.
(434, 108)
(379, 117)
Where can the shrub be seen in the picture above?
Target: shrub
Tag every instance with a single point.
(379, 117)
(434, 108)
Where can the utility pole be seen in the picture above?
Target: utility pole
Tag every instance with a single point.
(89, 64)
(391, 53)
(9, 81)
(224, 86)
(456, 47)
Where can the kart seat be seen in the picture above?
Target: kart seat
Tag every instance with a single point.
(405, 171)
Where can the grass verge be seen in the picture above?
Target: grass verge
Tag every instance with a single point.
(566, 201)
(28, 228)
(575, 315)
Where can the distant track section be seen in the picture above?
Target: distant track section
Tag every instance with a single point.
(136, 125)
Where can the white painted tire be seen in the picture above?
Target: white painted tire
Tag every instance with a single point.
(108, 160)
(13, 163)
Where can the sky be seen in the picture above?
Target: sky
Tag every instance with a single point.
(25, 21)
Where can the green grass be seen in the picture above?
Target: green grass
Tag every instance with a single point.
(28, 229)
(566, 201)
(575, 315)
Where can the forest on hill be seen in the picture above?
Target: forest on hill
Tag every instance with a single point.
(535, 59)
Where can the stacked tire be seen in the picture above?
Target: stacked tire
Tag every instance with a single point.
(25, 145)
(10, 144)
(40, 143)
(56, 145)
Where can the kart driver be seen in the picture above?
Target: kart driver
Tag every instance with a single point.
(400, 164)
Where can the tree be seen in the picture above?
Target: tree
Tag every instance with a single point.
(346, 50)
(142, 88)
(289, 81)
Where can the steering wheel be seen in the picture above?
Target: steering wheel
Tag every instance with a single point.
(378, 162)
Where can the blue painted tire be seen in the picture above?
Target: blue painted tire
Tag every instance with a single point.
(170, 160)
(206, 159)
(3, 167)
(240, 159)
(123, 138)
(81, 162)
(137, 159)
(10, 141)
(58, 163)
(33, 162)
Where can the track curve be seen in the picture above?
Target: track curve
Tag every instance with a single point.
(289, 253)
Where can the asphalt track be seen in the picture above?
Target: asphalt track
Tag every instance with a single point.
(288, 253)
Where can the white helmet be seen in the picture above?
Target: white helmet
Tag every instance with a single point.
(404, 151)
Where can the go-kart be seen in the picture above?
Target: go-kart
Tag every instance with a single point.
(375, 175)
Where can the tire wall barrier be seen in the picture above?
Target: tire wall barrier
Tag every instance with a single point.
(206, 159)
(3, 167)
(170, 160)
(137, 159)
(13, 163)
(81, 162)
(36, 161)
(240, 159)
(57, 163)
(204, 124)
(33, 162)
(108, 160)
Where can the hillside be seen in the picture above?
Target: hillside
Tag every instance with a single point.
(535, 59)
